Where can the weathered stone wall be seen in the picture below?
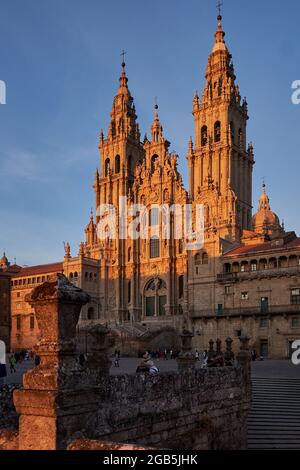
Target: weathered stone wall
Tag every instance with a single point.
(202, 409)
(64, 398)
(8, 415)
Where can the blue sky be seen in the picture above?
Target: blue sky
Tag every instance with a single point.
(60, 60)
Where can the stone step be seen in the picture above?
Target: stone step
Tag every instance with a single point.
(274, 420)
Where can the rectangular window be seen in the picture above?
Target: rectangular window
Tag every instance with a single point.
(295, 297)
(18, 322)
(154, 247)
(180, 287)
(228, 290)
(264, 323)
(154, 217)
(295, 322)
(264, 304)
(150, 306)
(253, 267)
(129, 291)
(32, 322)
(244, 296)
(162, 302)
(220, 309)
(18, 294)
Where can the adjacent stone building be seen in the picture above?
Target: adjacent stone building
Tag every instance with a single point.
(244, 279)
(6, 272)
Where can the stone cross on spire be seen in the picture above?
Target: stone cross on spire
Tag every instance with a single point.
(123, 53)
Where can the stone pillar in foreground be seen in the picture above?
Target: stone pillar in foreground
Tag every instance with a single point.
(59, 399)
(243, 358)
(186, 359)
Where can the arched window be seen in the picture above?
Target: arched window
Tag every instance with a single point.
(204, 258)
(91, 314)
(154, 159)
(273, 263)
(293, 261)
(71, 276)
(263, 264)
(154, 247)
(227, 268)
(235, 267)
(217, 131)
(244, 266)
(283, 262)
(203, 136)
(155, 298)
(197, 259)
(253, 265)
(107, 166)
(75, 275)
(129, 254)
(117, 164)
(180, 287)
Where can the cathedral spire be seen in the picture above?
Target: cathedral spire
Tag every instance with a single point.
(123, 80)
(123, 121)
(156, 128)
(219, 36)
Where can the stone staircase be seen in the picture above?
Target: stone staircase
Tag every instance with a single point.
(274, 421)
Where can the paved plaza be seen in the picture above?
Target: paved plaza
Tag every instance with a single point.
(264, 369)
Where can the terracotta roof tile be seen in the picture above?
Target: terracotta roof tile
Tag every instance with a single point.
(263, 247)
(40, 269)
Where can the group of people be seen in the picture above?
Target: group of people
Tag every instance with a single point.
(166, 354)
(147, 365)
(202, 357)
(117, 357)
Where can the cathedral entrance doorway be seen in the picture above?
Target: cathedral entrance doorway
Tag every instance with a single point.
(155, 298)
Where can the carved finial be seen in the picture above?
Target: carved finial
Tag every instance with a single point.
(67, 250)
(123, 53)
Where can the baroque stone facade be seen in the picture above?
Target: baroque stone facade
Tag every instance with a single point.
(71, 400)
(245, 278)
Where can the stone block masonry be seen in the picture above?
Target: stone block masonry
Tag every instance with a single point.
(67, 399)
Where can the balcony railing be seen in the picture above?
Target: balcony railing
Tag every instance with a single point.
(246, 311)
(260, 273)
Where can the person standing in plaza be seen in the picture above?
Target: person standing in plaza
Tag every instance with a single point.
(3, 373)
(12, 363)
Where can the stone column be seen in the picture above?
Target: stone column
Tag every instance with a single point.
(60, 397)
(243, 358)
(186, 359)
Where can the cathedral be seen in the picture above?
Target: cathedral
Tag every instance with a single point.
(245, 277)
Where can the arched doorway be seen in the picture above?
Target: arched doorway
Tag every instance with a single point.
(91, 314)
(155, 298)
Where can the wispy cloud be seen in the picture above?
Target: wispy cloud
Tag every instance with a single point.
(30, 166)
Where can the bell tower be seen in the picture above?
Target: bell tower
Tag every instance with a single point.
(220, 164)
(120, 150)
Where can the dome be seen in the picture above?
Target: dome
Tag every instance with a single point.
(4, 261)
(265, 221)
